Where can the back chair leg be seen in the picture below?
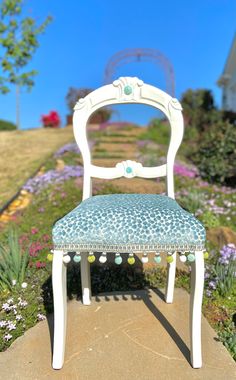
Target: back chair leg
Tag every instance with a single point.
(60, 308)
(170, 284)
(85, 279)
(197, 284)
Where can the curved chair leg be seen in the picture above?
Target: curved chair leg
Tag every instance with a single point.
(85, 279)
(197, 284)
(60, 308)
(171, 269)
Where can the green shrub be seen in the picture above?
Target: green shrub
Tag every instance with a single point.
(157, 131)
(210, 220)
(7, 126)
(228, 337)
(13, 262)
(216, 156)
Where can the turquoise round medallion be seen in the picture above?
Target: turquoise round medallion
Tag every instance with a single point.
(128, 90)
(128, 170)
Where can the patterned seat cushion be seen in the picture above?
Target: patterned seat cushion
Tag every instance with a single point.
(129, 222)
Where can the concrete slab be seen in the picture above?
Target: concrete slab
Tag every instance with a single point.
(130, 336)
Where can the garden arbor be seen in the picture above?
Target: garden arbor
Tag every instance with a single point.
(126, 56)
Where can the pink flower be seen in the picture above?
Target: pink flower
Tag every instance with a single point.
(34, 230)
(35, 248)
(40, 264)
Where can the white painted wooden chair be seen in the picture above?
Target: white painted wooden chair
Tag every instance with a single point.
(128, 223)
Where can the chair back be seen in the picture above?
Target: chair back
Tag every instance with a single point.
(122, 91)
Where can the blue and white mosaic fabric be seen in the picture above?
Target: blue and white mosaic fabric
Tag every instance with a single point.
(127, 223)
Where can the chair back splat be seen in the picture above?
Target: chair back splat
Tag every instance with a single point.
(122, 91)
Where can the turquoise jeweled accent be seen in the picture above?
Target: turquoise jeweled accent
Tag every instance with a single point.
(191, 257)
(118, 259)
(157, 259)
(77, 258)
(128, 170)
(128, 90)
(129, 222)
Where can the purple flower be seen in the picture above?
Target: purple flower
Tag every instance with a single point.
(41, 317)
(72, 147)
(212, 284)
(3, 323)
(11, 326)
(208, 293)
(38, 183)
(7, 337)
(185, 171)
(227, 254)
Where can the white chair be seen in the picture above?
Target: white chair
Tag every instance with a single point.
(127, 223)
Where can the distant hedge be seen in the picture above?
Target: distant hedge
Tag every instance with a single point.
(7, 126)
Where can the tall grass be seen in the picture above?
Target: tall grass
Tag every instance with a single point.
(13, 262)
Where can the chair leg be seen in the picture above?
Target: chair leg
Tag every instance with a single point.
(85, 279)
(197, 284)
(170, 284)
(60, 308)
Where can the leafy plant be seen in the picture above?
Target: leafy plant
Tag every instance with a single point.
(74, 94)
(210, 220)
(217, 153)
(7, 126)
(157, 131)
(192, 201)
(225, 277)
(228, 337)
(199, 107)
(13, 262)
(18, 41)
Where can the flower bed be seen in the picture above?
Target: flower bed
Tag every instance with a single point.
(56, 191)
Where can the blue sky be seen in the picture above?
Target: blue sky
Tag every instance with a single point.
(194, 35)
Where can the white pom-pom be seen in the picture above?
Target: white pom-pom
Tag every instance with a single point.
(183, 258)
(103, 258)
(144, 259)
(66, 259)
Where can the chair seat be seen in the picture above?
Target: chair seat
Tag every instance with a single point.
(129, 222)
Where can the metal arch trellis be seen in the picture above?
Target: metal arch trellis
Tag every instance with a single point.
(126, 56)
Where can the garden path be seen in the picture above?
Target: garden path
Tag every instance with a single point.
(132, 335)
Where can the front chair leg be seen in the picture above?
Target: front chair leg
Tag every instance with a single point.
(170, 284)
(85, 279)
(197, 284)
(60, 308)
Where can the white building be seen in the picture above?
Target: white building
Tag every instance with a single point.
(228, 80)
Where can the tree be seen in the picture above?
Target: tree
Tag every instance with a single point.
(18, 42)
(199, 108)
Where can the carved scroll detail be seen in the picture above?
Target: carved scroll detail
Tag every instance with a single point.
(130, 168)
(128, 88)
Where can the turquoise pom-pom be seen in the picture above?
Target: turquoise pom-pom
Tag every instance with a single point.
(157, 259)
(77, 258)
(118, 260)
(191, 257)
